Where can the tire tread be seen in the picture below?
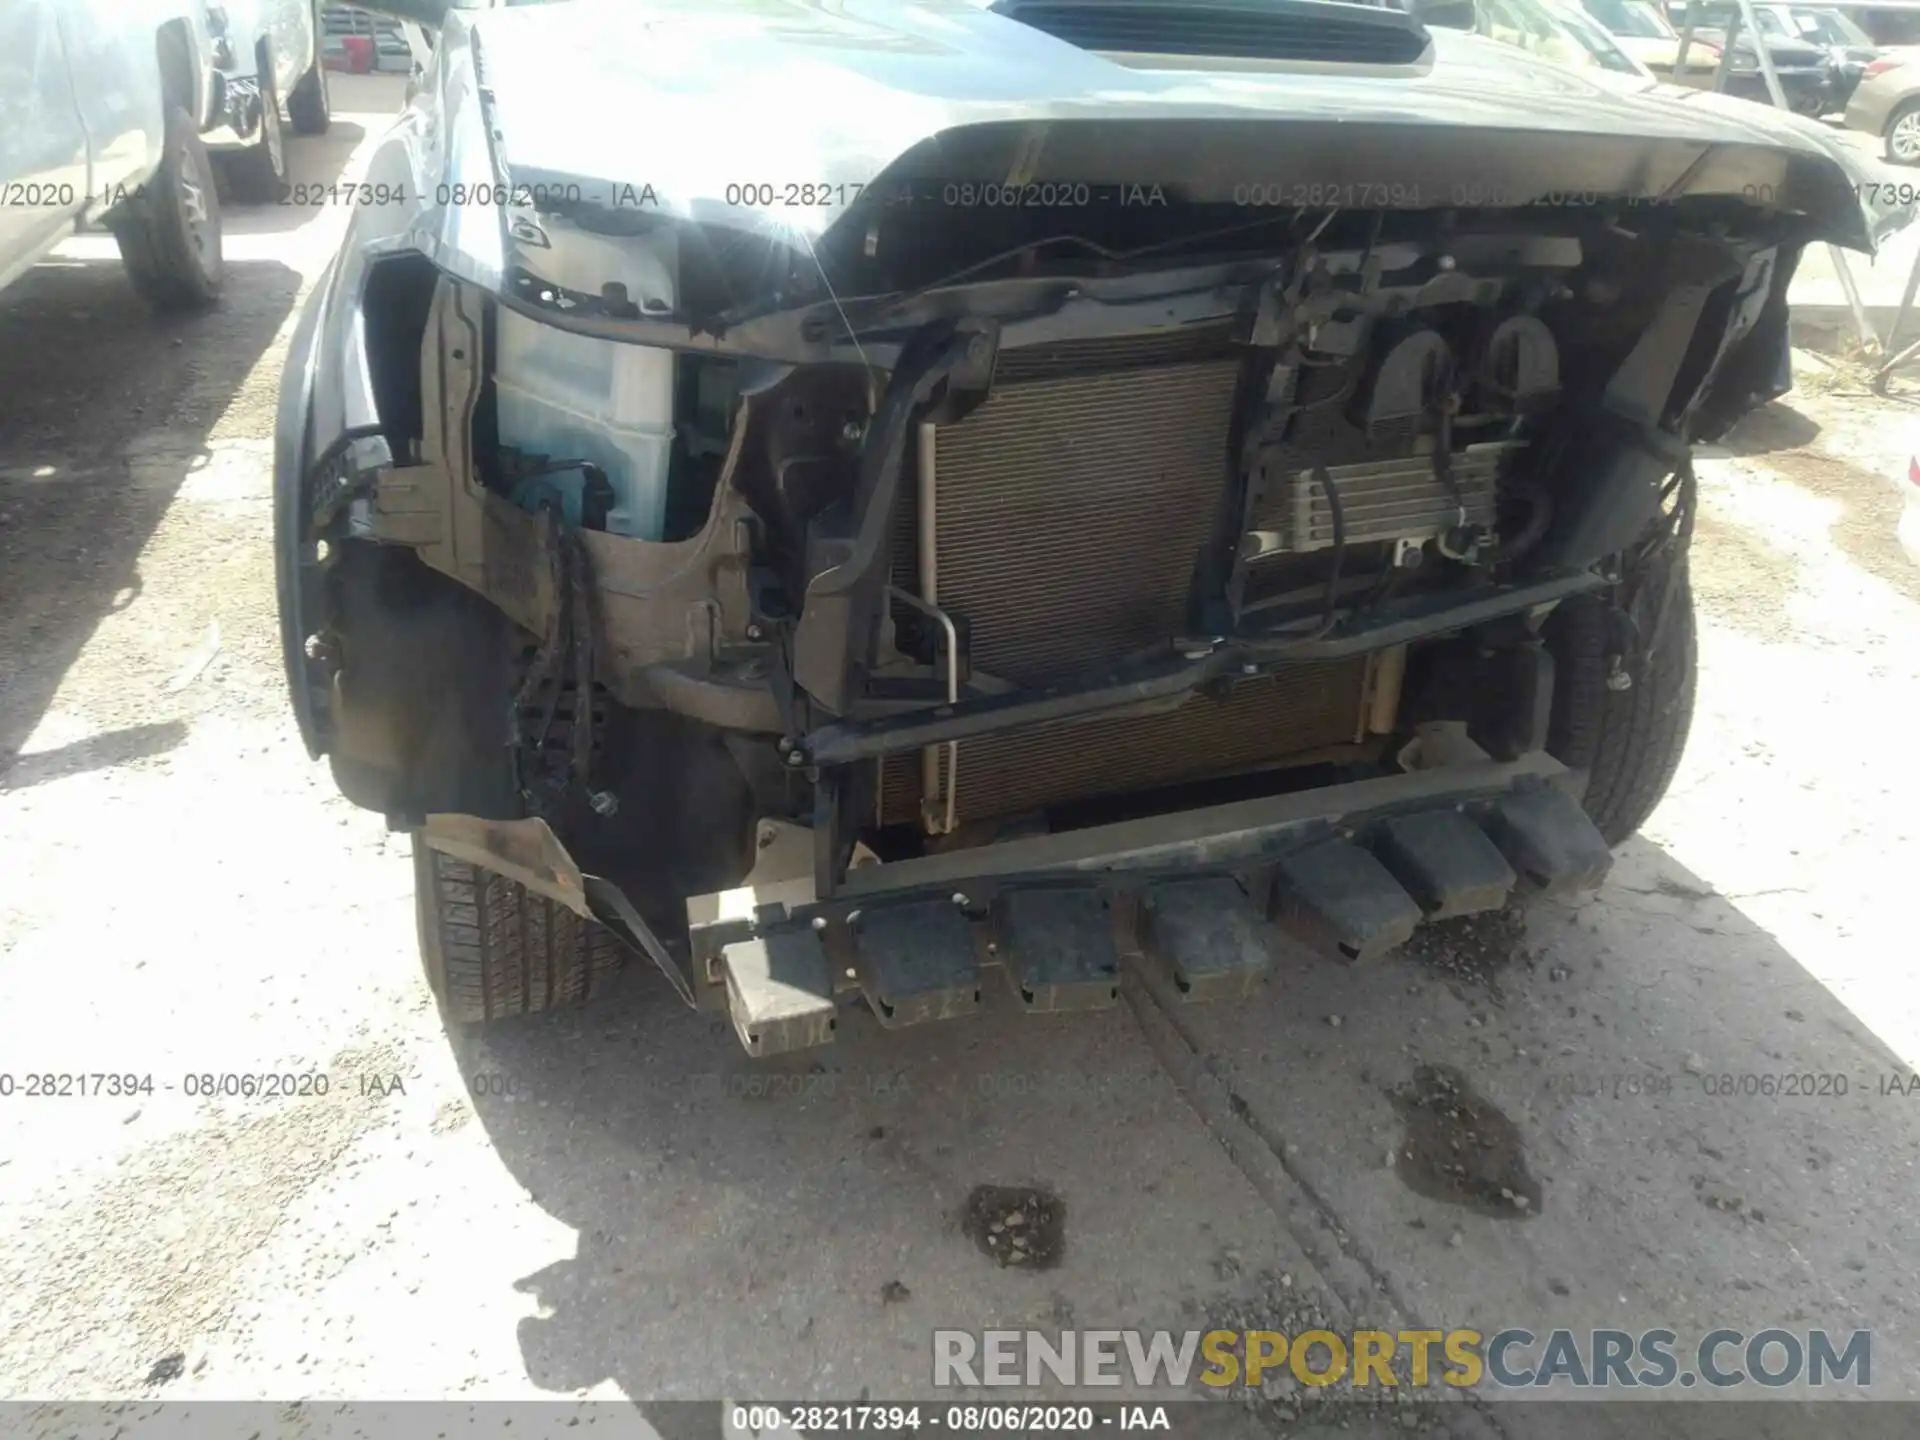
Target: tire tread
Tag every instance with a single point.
(493, 948)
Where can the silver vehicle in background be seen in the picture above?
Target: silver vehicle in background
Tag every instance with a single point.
(1887, 103)
(269, 62)
(102, 105)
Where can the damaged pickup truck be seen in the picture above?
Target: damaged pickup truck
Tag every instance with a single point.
(841, 497)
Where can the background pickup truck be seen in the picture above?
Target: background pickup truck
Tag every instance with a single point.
(104, 104)
(267, 57)
(358, 40)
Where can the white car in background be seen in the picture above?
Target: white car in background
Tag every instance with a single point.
(104, 102)
(267, 53)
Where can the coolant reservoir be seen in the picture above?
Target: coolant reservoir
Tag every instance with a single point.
(574, 398)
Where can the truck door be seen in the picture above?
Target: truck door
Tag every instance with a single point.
(43, 147)
(113, 62)
(289, 28)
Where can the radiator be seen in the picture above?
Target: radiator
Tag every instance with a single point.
(1070, 511)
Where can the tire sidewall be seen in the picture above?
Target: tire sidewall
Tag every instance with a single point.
(426, 907)
(1905, 111)
(170, 232)
(1626, 742)
(190, 162)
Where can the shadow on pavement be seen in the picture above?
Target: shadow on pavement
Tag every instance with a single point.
(1704, 1116)
(100, 752)
(107, 408)
(106, 411)
(794, 1227)
(1866, 527)
(1777, 426)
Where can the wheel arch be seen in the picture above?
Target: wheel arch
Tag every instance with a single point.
(182, 70)
(349, 403)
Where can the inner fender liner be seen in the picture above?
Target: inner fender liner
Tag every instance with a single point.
(419, 703)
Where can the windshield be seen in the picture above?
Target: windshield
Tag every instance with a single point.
(1557, 32)
(1829, 27)
(1704, 17)
(1596, 41)
(1637, 19)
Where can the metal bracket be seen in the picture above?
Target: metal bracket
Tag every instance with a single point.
(939, 818)
(832, 643)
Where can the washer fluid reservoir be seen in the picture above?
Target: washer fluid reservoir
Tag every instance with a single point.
(577, 399)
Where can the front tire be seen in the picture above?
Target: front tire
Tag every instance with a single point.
(493, 948)
(1628, 741)
(169, 232)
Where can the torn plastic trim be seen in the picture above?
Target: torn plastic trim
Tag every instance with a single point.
(530, 854)
(873, 330)
(512, 257)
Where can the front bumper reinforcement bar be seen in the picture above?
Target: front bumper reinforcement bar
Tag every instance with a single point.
(1218, 899)
(843, 742)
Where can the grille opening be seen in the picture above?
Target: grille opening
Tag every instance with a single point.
(1326, 31)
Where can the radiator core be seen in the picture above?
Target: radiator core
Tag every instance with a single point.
(1070, 511)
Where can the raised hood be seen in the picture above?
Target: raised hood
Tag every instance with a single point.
(785, 117)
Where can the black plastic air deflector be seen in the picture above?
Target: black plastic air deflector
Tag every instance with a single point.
(1320, 30)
